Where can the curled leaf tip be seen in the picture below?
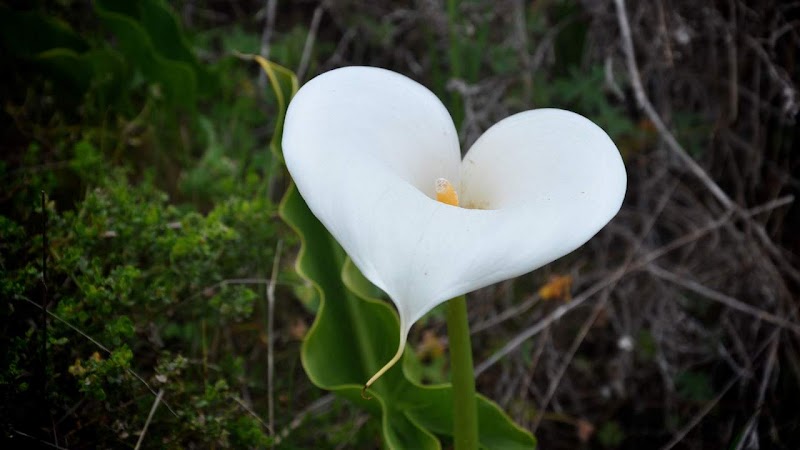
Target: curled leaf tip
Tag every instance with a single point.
(364, 394)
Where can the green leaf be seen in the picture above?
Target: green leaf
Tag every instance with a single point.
(169, 40)
(71, 66)
(27, 33)
(354, 334)
(148, 35)
(49, 43)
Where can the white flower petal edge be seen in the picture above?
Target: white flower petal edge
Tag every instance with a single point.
(365, 146)
(554, 177)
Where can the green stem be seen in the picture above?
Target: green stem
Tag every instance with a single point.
(455, 51)
(456, 107)
(465, 411)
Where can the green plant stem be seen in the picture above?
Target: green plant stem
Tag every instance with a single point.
(456, 107)
(465, 412)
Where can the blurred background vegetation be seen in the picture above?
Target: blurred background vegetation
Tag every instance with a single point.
(148, 140)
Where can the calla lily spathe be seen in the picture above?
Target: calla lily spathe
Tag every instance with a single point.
(365, 147)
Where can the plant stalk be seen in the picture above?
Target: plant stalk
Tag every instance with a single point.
(455, 54)
(465, 411)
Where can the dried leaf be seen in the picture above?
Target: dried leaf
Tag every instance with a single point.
(557, 288)
(431, 346)
(584, 429)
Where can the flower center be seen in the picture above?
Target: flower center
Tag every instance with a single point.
(445, 192)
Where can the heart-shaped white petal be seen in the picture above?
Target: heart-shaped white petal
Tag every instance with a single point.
(365, 147)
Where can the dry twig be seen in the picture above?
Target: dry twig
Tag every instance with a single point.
(149, 418)
(615, 276)
(271, 334)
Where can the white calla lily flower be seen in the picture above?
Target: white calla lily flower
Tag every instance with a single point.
(366, 146)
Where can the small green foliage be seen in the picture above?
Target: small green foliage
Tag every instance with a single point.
(692, 131)
(581, 90)
(87, 162)
(646, 345)
(127, 264)
(247, 432)
(99, 376)
(694, 386)
(610, 435)
(233, 303)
